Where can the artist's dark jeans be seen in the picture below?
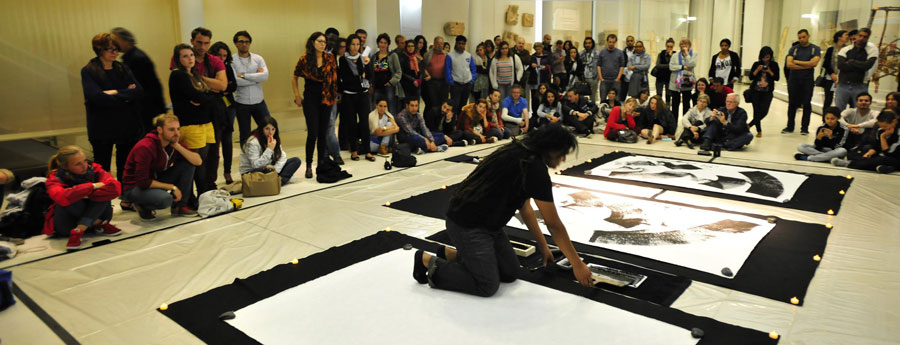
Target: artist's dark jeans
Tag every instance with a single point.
(181, 174)
(715, 132)
(484, 259)
(799, 96)
(258, 111)
(83, 212)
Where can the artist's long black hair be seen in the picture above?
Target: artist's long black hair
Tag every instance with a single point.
(544, 144)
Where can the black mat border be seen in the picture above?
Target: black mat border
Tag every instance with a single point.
(779, 268)
(659, 288)
(818, 193)
(199, 314)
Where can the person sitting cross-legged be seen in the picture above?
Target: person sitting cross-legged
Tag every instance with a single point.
(263, 152)
(878, 152)
(579, 112)
(830, 140)
(414, 131)
(81, 192)
(694, 123)
(159, 171)
(728, 126)
(382, 128)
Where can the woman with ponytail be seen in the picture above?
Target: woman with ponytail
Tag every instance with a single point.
(81, 192)
(505, 181)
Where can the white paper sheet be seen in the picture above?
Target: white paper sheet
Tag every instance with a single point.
(761, 184)
(377, 302)
(699, 239)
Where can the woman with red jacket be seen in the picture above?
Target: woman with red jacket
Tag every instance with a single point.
(621, 118)
(81, 193)
(473, 122)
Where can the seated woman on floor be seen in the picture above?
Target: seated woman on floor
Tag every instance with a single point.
(694, 122)
(382, 128)
(263, 152)
(830, 140)
(656, 121)
(473, 122)
(550, 110)
(621, 126)
(878, 152)
(495, 127)
(81, 192)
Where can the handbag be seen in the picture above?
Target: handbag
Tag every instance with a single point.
(626, 136)
(749, 96)
(820, 80)
(261, 183)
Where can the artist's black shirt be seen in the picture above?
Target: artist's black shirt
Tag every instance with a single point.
(505, 196)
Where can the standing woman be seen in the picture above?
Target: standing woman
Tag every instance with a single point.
(386, 73)
(421, 47)
(319, 71)
(355, 99)
(482, 85)
(764, 74)
(192, 102)
(829, 64)
(225, 127)
(110, 99)
(661, 71)
(81, 192)
(571, 66)
(681, 79)
(505, 70)
(726, 64)
(413, 73)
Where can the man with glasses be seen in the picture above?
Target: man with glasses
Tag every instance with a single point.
(856, 65)
(727, 126)
(250, 72)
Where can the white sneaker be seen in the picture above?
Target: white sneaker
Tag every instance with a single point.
(442, 148)
(420, 151)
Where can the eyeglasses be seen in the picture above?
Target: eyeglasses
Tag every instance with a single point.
(320, 41)
(242, 42)
(111, 49)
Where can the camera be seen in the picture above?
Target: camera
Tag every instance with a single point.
(765, 67)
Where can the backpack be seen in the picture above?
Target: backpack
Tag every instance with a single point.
(402, 157)
(28, 221)
(215, 202)
(330, 172)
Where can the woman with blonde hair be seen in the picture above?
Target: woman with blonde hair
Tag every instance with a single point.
(682, 78)
(81, 192)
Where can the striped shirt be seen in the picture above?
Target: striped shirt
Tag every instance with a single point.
(504, 71)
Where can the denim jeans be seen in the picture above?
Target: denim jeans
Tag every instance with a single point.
(845, 94)
(459, 96)
(823, 155)
(484, 259)
(331, 140)
(83, 212)
(418, 141)
(799, 96)
(181, 175)
(375, 142)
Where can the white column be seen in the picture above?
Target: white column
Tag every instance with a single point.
(546, 20)
(475, 25)
(754, 12)
(365, 18)
(190, 15)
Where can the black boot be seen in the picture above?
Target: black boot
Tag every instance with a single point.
(707, 144)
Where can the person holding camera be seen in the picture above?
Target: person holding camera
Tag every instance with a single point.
(762, 84)
(682, 79)
(727, 127)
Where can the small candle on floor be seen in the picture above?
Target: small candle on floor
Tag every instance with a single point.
(773, 335)
(817, 257)
(795, 300)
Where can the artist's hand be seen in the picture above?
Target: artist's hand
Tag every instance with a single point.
(547, 256)
(582, 273)
(869, 154)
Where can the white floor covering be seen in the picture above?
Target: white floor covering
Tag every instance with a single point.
(108, 295)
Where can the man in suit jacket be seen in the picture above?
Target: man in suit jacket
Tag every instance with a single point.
(728, 126)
